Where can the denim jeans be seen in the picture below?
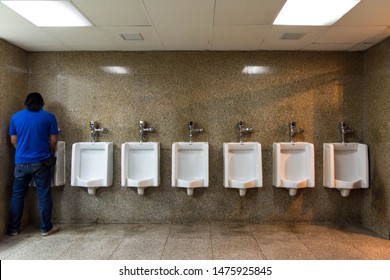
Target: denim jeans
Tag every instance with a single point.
(23, 175)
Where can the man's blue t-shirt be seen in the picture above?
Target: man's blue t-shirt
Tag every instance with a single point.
(32, 130)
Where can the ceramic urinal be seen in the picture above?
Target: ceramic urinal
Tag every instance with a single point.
(140, 165)
(293, 166)
(58, 171)
(345, 167)
(190, 165)
(92, 165)
(242, 166)
(58, 177)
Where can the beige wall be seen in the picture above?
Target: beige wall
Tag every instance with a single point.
(167, 89)
(13, 86)
(376, 206)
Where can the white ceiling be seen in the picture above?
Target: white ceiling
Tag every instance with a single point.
(197, 25)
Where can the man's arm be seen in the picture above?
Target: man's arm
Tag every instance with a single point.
(13, 140)
(53, 143)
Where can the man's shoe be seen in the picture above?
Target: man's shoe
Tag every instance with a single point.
(14, 233)
(54, 229)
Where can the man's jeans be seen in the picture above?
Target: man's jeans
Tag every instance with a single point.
(23, 174)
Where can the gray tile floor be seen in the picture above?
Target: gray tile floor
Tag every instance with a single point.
(196, 242)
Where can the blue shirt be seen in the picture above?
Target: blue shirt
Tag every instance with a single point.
(32, 130)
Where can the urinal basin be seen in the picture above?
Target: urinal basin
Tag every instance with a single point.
(345, 166)
(242, 165)
(293, 165)
(190, 164)
(58, 177)
(92, 164)
(140, 164)
(58, 171)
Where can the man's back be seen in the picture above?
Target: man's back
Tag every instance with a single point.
(32, 129)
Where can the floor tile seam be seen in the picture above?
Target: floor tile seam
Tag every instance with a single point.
(116, 248)
(58, 257)
(25, 244)
(165, 243)
(189, 237)
(308, 248)
(330, 231)
(268, 233)
(333, 240)
(261, 250)
(63, 251)
(233, 237)
(72, 257)
(362, 252)
(343, 253)
(70, 246)
(11, 249)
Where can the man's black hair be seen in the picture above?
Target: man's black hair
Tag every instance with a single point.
(34, 101)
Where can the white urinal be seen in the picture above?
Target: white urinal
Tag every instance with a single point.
(58, 177)
(58, 171)
(293, 166)
(92, 165)
(345, 167)
(190, 165)
(242, 166)
(140, 165)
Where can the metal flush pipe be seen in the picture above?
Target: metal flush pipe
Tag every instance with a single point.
(95, 130)
(344, 130)
(293, 131)
(192, 130)
(243, 130)
(143, 129)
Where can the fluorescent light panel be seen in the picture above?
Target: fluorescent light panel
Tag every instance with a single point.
(49, 13)
(313, 12)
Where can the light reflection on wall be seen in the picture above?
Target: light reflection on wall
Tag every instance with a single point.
(256, 70)
(119, 70)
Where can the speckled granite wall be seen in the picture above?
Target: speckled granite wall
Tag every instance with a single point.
(167, 89)
(13, 86)
(376, 206)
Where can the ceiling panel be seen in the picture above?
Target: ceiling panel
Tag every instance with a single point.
(379, 37)
(328, 47)
(273, 39)
(150, 40)
(197, 25)
(79, 37)
(246, 12)
(113, 13)
(368, 12)
(238, 37)
(182, 25)
(361, 47)
(26, 35)
(8, 17)
(349, 34)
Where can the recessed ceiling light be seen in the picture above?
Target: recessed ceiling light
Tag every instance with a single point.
(132, 36)
(48, 13)
(313, 12)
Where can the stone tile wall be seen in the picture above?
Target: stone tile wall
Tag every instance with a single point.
(13, 86)
(376, 121)
(167, 89)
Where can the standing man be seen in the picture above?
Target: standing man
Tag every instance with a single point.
(34, 134)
